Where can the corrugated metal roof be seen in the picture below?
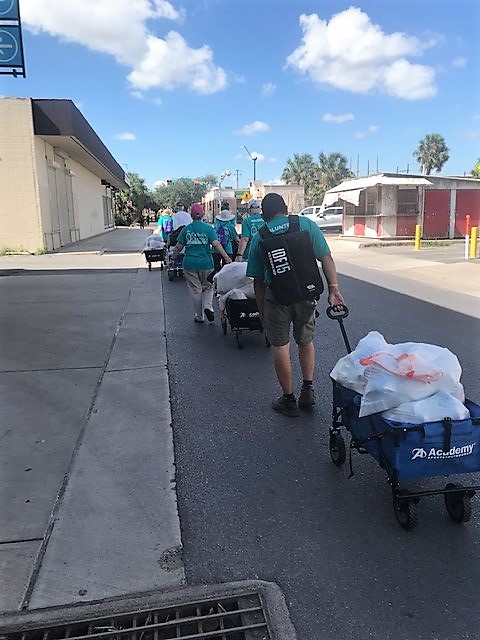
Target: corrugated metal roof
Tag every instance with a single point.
(372, 181)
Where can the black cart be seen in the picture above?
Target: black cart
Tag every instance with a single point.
(242, 315)
(156, 255)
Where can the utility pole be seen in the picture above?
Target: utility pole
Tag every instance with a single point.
(237, 172)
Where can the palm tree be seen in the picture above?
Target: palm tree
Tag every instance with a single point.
(302, 170)
(432, 153)
(333, 169)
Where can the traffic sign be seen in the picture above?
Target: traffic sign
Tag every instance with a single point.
(477, 167)
(10, 49)
(9, 10)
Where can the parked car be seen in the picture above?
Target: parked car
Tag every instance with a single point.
(329, 218)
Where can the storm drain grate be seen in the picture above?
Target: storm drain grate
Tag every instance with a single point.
(240, 616)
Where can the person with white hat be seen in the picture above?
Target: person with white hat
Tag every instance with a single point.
(226, 233)
(250, 225)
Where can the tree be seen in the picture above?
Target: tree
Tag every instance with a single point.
(183, 190)
(302, 170)
(475, 172)
(432, 153)
(332, 170)
(137, 194)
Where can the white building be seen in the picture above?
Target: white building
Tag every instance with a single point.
(57, 178)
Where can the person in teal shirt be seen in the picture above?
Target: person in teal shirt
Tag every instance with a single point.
(165, 223)
(198, 238)
(225, 220)
(278, 318)
(250, 226)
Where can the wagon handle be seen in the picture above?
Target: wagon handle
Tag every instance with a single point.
(340, 315)
(337, 315)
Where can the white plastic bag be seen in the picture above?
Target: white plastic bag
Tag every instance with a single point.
(384, 390)
(231, 276)
(391, 379)
(348, 371)
(432, 409)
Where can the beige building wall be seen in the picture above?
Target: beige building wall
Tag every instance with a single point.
(20, 221)
(87, 201)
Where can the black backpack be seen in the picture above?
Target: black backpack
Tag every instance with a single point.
(291, 263)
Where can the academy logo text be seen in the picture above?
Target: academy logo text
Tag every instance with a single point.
(440, 454)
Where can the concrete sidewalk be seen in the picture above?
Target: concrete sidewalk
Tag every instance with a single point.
(87, 467)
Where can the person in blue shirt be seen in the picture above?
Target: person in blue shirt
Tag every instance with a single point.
(198, 238)
(225, 220)
(277, 318)
(250, 225)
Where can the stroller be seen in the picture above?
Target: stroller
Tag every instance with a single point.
(408, 451)
(176, 271)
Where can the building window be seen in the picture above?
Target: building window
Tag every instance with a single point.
(371, 202)
(407, 202)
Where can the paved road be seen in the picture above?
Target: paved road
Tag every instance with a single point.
(259, 497)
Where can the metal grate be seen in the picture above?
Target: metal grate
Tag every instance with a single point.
(232, 619)
(239, 615)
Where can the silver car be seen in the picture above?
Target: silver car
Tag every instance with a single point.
(330, 218)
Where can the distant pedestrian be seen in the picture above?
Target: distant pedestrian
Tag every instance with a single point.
(198, 238)
(165, 223)
(141, 222)
(250, 225)
(226, 234)
(278, 318)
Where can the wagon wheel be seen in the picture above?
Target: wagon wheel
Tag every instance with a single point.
(405, 512)
(336, 445)
(458, 503)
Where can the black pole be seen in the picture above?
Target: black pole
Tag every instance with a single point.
(254, 169)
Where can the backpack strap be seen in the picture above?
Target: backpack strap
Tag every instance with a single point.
(265, 232)
(293, 223)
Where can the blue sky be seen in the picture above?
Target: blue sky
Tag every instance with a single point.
(177, 88)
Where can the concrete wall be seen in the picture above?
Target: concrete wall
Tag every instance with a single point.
(20, 217)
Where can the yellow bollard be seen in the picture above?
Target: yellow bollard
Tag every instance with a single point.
(418, 233)
(473, 242)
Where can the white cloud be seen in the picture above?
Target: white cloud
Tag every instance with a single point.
(119, 28)
(459, 62)
(338, 119)
(125, 136)
(252, 129)
(353, 54)
(268, 89)
(372, 128)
